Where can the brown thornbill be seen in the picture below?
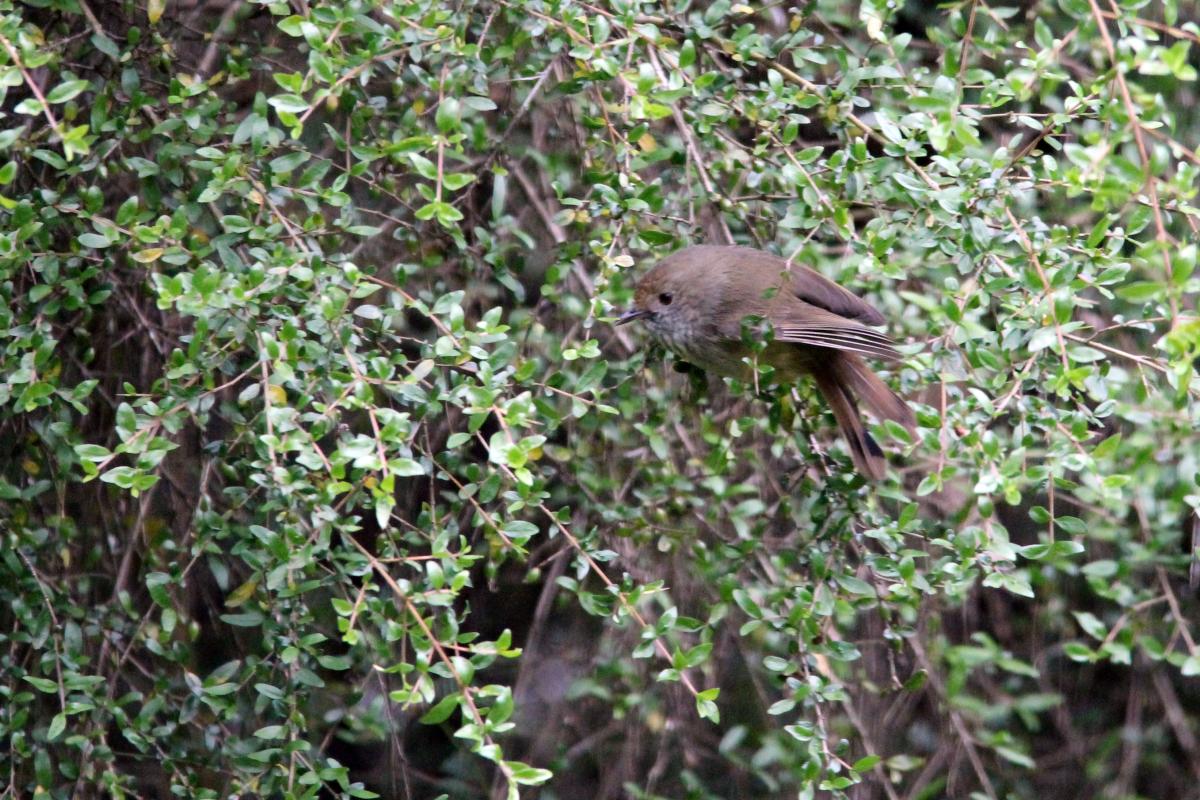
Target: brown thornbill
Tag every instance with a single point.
(694, 302)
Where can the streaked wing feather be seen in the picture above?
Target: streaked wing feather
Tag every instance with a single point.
(855, 340)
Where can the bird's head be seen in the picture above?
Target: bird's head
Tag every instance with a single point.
(667, 299)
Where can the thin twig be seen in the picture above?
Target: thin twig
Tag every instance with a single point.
(33, 86)
(809, 86)
(413, 612)
(1151, 183)
(1048, 292)
(956, 720)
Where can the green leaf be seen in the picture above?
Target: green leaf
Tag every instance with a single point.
(442, 711)
(527, 775)
(249, 619)
(479, 103)
(94, 240)
(687, 54)
(855, 585)
(865, 763)
(289, 103)
(706, 705)
(406, 467)
(1141, 291)
(1071, 525)
(456, 180)
(42, 684)
(1091, 625)
(448, 115)
(68, 90)
(57, 725)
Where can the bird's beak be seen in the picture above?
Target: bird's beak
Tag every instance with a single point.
(631, 314)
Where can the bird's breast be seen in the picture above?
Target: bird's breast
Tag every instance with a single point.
(705, 349)
(713, 352)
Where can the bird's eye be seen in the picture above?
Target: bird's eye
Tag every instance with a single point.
(665, 298)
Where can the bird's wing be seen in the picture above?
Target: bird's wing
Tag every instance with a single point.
(805, 284)
(767, 271)
(815, 289)
(801, 323)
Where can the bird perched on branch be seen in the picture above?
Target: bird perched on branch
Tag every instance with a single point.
(695, 300)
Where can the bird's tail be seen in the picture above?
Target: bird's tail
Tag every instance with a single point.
(839, 379)
(872, 391)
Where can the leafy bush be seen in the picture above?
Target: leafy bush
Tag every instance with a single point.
(325, 474)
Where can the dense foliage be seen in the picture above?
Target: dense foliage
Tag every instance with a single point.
(324, 473)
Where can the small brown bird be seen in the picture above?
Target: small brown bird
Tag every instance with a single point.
(694, 301)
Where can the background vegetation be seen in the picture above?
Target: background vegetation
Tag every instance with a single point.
(322, 472)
